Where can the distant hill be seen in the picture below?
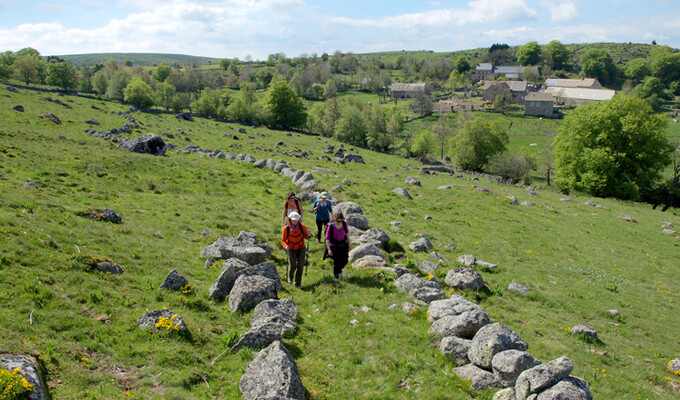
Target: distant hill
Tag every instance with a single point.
(141, 59)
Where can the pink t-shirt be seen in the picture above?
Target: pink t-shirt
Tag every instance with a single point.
(337, 233)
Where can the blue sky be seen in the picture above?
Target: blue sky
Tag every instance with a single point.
(257, 28)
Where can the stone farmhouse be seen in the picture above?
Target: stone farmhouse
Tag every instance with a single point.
(409, 90)
(487, 71)
(584, 83)
(517, 90)
(539, 105)
(454, 105)
(578, 96)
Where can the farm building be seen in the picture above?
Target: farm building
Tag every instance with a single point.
(517, 90)
(578, 96)
(487, 71)
(409, 90)
(585, 83)
(539, 105)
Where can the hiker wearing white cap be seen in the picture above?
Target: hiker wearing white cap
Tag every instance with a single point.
(291, 204)
(293, 241)
(323, 209)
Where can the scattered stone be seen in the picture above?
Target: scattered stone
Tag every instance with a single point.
(505, 394)
(266, 269)
(272, 373)
(402, 192)
(464, 278)
(479, 379)
(370, 261)
(375, 235)
(590, 203)
(92, 122)
(30, 185)
(422, 244)
(32, 370)
(628, 218)
(356, 220)
(519, 288)
(513, 200)
(249, 291)
(585, 330)
(426, 295)
(674, 366)
(151, 318)
(490, 340)
(408, 282)
(528, 203)
(225, 282)
(565, 199)
(508, 365)
(174, 281)
(226, 247)
(11, 89)
(451, 246)
(353, 158)
(412, 181)
(467, 259)
(409, 308)
(366, 249)
(428, 267)
(487, 265)
(353, 323)
(482, 189)
(669, 232)
(19, 108)
(667, 224)
(51, 117)
(465, 324)
(428, 217)
(537, 379)
(106, 266)
(445, 187)
(571, 388)
(348, 207)
(456, 348)
(436, 256)
(147, 144)
(614, 313)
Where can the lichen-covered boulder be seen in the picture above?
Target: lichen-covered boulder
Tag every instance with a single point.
(571, 388)
(366, 249)
(479, 379)
(408, 282)
(249, 291)
(543, 376)
(422, 244)
(464, 325)
(30, 369)
(272, 373)
(148, 144)
(174, 281)
(456, 348)
(150, 319)
(492, 339)
(464, 278)
(508, 365)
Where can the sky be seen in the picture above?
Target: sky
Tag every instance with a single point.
(253, 29)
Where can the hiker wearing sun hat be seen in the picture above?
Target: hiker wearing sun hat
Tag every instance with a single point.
(293, 241)
(323, 209)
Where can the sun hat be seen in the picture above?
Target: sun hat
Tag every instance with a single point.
(324, 195)
(294, 216)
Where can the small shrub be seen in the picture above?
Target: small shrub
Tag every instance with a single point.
(512, 166)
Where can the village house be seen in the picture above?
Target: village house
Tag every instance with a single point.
(487, 71)
(454, 105)
(517, 90)
(584, 83)
(409, 90)
(579, 96)
(539, 105)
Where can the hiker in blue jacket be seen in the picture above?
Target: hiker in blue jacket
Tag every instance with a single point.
(323, 209)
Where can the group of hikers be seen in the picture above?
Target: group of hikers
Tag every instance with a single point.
(331, 225)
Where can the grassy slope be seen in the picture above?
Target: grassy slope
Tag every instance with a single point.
(579, 261)
(143, 59)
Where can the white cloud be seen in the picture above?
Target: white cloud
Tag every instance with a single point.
(563, 12)
(92, 5)
(47, 7)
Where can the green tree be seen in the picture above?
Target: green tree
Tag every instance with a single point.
(117, 85)
(462, 64)
(161, 72)
(139, 94)
(637, 69)
(287, 109)
(423, 144)
(476, 142)
(99, 82)
(421, 105)
(351, 127)
(28, 51)
(26, 68)
(457, 80)
(212, 103)
(6, 61)
(529, 54)
(556, 55)
(164, 93)
(597, 63)
(666, 67)
(62, 74)
(442, 132)
(615, 148)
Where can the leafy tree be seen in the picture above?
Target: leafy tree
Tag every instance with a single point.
(423, 144)
(462, 64)
(28, 51)
(139, 94)
(614, 148)
(180, 102)
(529, 54)
(212, 103)
(651, 90)
(287, 109)
(161, 72)
(513, 166)
(422, 105)
(442, 132)
(164, 94)
(666, 67)
(556, 55)
(597, 63)
(244, 107)
(117, 85)
(99, 82)
(351, 127)
(6, 61)
(330, 89)
(225, 63)
(637, 69)
(477, 142)
(26, 68)
(62, 74)
(500, 54)
(457, 80)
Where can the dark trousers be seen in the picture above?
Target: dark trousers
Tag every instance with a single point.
(321, 227)
(296, 263)
(340, 257)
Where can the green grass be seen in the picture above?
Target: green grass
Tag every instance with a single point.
(579, 262)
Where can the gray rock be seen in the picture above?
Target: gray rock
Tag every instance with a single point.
(452, 306)
(614, 313)
(665, 231)
(445, 187)
(270, 374)
(674, 366)
(403, 193)
(249, 291)
(456, 348)
(280, 165)
(226, 247)
(270, 163)
(437, 257)
(590, 203)
(565, 199)
(147, 144)
(467, 259)
(32, 370)
(290, 173)
(428, 217)
(261, 336)
(92, 122)
(224, 283)
(364, 250)
(174, 281)
(284, 310)
(266, 269)
(505, 394)
(151, 318)
(482, 189)
(309, 185)
(412, 181)
(110, 267)
(528, 203)
(519, 288)
(348, 207)
(584, 330)
(487, 265)
(464, 278)
(570, 388)
(543, 376)
(492, 339)
(422, 244)
(356, 220)
(30, 185)
(18, 107)
(409, 308)
(370, 261)
(463, 325)
(408, 282)
(428, 267)
(426, 295)
(508, 365)
(260, 163)
(249, 159)
(305, 177)
(479, 379)
(375, 234)
(513, 200)
(353, 158)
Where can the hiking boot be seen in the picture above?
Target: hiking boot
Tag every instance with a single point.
(341, 276)
(299, 287)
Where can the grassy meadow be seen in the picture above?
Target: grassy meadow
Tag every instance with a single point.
(579, 262)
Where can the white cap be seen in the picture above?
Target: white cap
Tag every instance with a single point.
(294, 216)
